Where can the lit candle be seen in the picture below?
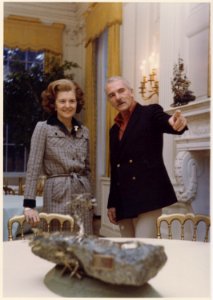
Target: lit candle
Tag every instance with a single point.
(152, 77)
(150, 63)
(156, 61)
(143, 68)
(144, 79)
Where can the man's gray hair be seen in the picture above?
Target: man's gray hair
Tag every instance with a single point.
(118, 78)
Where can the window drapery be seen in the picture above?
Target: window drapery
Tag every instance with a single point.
(90, 96)
(99, 17)
(30, 33)
(113, 70)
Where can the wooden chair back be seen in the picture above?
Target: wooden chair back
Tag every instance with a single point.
(182, 219)
(47, 218)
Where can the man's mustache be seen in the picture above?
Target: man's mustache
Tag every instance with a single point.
(120, 101)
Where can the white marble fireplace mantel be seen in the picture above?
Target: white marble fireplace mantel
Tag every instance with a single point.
(198, 117)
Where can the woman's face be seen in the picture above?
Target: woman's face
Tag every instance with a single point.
(65, 105)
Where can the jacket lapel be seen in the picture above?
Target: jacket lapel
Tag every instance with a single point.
(130, 126)
(118, 146)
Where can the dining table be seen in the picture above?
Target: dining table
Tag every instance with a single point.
(12, 206)
(186, 273)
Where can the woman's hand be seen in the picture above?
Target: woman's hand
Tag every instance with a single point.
(31, 216)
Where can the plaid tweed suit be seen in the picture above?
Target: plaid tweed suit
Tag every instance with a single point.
(53, 152)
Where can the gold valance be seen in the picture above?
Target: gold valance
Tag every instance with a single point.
(100, 16)
(30, 33)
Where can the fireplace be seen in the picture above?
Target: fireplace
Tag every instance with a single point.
(192, 162)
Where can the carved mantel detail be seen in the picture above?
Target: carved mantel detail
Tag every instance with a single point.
(186, 176)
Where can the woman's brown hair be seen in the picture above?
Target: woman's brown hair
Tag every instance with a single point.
(49, 95)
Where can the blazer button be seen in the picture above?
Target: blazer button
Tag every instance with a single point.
(118, 165)
(118, 183)
(133, 178)
(130, 161)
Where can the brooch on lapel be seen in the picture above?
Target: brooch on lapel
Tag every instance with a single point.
(76, 128)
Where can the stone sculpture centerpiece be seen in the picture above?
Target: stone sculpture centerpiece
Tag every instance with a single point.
(119, 263)
(130, 263)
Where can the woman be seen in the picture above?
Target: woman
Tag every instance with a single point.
(60, 150)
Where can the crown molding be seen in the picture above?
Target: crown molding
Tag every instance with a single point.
(66, 13)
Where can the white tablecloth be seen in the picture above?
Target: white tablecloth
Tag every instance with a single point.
(185, 274)
(13, 205)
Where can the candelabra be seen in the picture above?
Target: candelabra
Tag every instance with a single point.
(149, 87)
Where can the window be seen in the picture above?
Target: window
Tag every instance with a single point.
(16, 60)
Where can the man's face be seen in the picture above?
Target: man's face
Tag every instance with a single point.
(120, 97)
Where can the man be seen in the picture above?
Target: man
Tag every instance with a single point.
(140, 186)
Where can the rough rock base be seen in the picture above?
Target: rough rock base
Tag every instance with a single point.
(65, 286)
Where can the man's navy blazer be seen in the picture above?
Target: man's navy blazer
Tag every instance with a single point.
(139, 180)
